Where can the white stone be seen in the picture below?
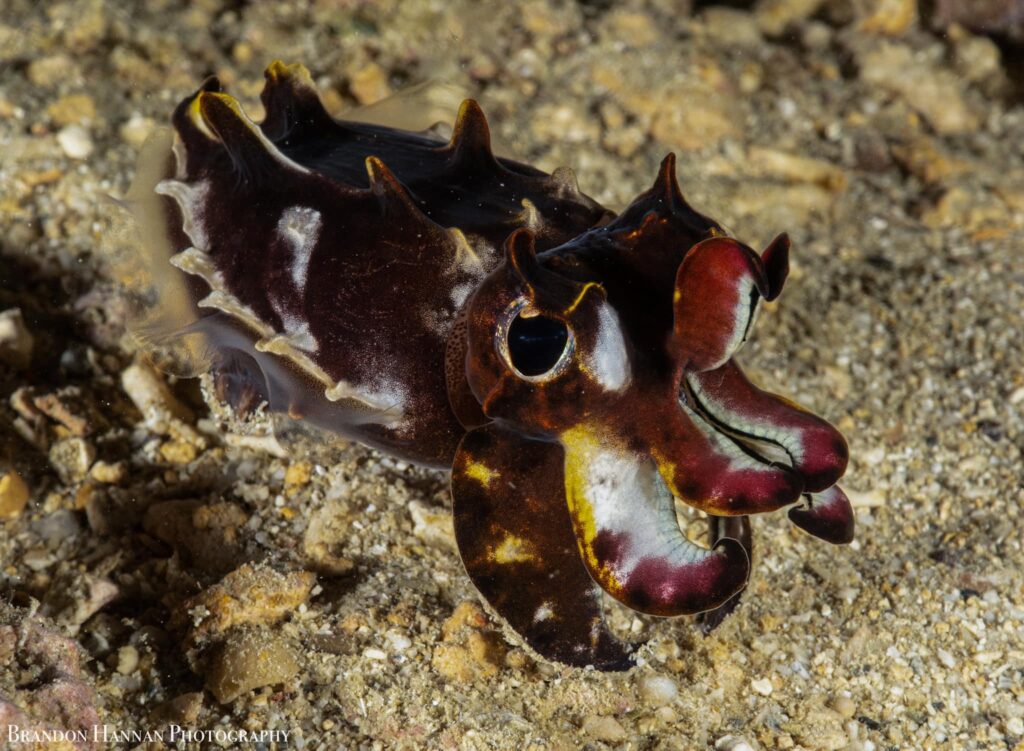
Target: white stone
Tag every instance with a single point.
(75, 141)
(732, 743)
(658, 690)
(15, 340)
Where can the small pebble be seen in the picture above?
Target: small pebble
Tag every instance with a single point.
(73, 109)
(732, 743)
(370, 84)
(71, 458)
(432, 525)
(136, 130)
(762, 686)
(398, 641)
(75, 141)
(48, 72)
(127, 660)
(251, 594)
(248, 661)
(15, 340)
(13, 495)
(297, 475)
(658, 690)
(109, 473)
(178, 452)
(604, 729)
(845, 706)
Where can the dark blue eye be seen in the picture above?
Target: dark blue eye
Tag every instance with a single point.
(536, 344)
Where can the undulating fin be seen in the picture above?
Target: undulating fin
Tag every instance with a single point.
(163, 313)
(517, 543)
(629, 537)
(817, 451)
(292, 103)
(718, 287)
(827, 515)
(425, 108)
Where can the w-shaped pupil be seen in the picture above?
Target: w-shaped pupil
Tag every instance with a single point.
(535, 344)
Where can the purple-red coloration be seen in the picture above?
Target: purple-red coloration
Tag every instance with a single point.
(574, 369)
(828, 516)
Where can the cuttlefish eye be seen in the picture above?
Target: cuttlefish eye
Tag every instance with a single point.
(537, 346)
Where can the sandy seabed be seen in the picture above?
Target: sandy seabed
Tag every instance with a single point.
(160, 569)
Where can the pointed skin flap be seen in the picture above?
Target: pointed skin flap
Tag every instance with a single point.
(827, 515)
(292, 104)
(518, 545)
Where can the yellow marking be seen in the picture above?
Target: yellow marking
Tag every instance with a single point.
(296, 72)
(481, 473)
(581, 444)
(195, 114)
(580, 296)
(236, 109)
(464, 253)
(513, 550)
(529, 216)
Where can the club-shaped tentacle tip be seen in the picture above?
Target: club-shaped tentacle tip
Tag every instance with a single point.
(827, 515)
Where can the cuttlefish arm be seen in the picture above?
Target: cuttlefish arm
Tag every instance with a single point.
(817, 450)
(628, 534)
(518, 544)
(719, 287)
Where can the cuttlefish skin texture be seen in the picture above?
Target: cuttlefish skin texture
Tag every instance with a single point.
(574, 369)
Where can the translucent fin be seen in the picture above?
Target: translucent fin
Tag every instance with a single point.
(417, 108)
(422, 108)
(163, 316)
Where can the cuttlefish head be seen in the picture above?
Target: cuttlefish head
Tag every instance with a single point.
(609, 395)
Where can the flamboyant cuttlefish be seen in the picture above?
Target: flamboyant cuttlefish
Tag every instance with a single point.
(574, 369)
